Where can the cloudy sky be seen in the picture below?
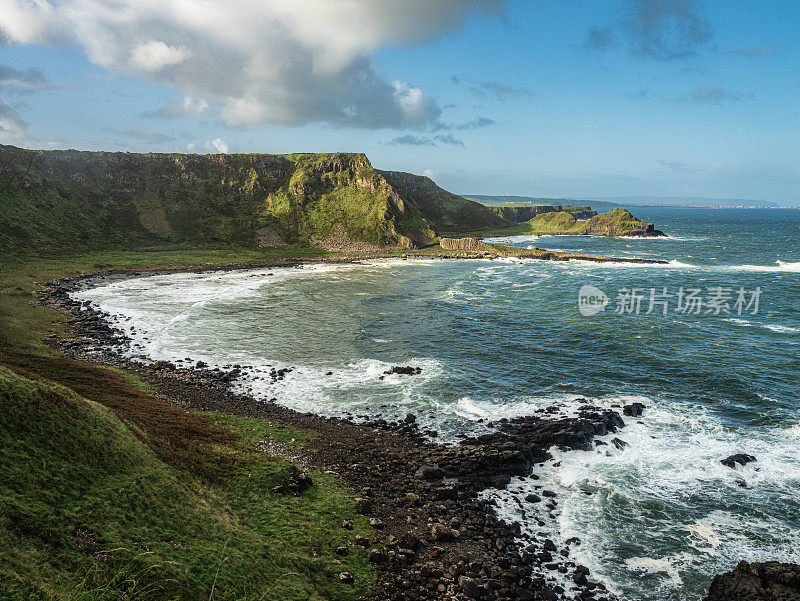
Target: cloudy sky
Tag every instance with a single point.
(529, 97)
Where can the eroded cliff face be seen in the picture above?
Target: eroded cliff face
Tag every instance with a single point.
(447, 212)
(73, 200)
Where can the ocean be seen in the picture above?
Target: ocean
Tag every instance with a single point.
(709, 342)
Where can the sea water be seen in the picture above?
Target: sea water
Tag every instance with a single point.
(502, 338)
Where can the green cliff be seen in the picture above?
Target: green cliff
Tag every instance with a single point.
(76, 201)
(448, 212)
(617, 222)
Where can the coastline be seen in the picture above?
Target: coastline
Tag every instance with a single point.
(434, 534)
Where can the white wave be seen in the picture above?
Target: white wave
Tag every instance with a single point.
(781, 329)
(624, 504)
(738, 321)
(778, 267)
(519, 239)
(650, 565)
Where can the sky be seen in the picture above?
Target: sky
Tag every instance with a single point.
(546, 98)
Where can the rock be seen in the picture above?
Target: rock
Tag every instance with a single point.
(633, 410)
(201, 364)
(407, 370)
(740, 458)
(376, 523)
(531, 498)
(769, 581)
(410, 418)
(363, 506)
(440, 532)
(377, 556)
(620, 444)
(346, 578)
(347, 524)
(548, 493)
(342, 551)
(362, 541)
(408, 540)
(428, 472)
(412, 498)
(550, 546)
(470, 587)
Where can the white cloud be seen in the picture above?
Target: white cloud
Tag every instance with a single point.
(217, 145)
(271, 62)
(155, 55)
(13, 129)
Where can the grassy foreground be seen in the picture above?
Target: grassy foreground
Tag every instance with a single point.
(108, 491)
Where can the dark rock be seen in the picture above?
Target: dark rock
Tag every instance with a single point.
(346, 578)
(363, 506)
(410, 418)
(471, 588)
(740, 458)
(620, 444)
(531, 498)
(769, 581)
(342, 551)
(403, 370)
(633, 410)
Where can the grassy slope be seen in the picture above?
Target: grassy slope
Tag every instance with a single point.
(447, 211)
(87, 450)
(78, 201)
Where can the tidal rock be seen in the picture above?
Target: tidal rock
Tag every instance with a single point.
(633, 410)
(406, 370)
(769, 581)
(740, 458)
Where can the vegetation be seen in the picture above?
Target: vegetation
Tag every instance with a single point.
(107, 491)
(72, 201)
(616, 222)
(445, 210)
(522, 213)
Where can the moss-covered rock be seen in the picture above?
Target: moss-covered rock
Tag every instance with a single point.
(617, 222)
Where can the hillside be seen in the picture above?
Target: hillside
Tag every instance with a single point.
(89, 509)
(617, 222)
(77, 201)
(448, 212)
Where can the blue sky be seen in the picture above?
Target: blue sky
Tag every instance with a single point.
(541, 98)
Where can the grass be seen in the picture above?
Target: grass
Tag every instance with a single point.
(617, 222)
(108, 492)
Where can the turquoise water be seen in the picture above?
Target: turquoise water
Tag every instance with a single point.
(503, 338)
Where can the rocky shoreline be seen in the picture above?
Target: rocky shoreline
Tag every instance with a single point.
(436, 535)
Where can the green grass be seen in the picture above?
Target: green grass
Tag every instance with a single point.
(108, 492)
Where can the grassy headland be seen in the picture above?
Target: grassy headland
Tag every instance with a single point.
(110, 491)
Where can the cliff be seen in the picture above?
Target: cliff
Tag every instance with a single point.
(448, 212)
(522, 213)
(617, 222)
(73, 201)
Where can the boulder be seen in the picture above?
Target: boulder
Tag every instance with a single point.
(740, 458)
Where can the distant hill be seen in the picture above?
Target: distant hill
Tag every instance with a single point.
(681, 201)
(493, 201)
(606, 203)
